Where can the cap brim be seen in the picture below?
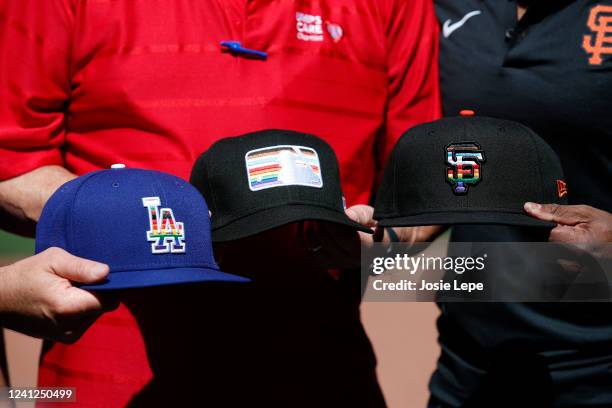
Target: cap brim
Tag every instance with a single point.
(162, 277)
(275, 217)
(476, 217)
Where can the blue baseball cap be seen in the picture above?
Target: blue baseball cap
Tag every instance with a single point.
(151, 228)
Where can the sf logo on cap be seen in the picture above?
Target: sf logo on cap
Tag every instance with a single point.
(463, 160)
(167, 235)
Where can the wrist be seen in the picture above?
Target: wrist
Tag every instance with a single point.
(24, 196)
(4, 293)
(8, 295)
(46, 180)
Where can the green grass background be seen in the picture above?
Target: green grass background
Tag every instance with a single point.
(14, 246)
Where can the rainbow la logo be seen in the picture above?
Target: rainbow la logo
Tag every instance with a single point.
(167, 235)
(463, 160)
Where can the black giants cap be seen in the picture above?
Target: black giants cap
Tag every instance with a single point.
(262, 180)
(468, 170)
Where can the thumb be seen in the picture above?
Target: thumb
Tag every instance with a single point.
(361, 214)
(560, 214)
(78, 302)
(78, 269)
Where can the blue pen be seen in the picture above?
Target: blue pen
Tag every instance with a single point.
(235, 48)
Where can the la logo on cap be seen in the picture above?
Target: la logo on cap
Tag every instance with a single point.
(167, 235)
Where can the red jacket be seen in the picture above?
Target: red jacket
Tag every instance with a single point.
(85, 84)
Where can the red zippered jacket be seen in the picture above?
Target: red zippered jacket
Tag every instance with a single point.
(84, 84)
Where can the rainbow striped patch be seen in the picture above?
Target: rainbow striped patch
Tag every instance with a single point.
(283, 165)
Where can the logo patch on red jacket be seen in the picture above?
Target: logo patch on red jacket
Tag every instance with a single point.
(334, 30)
(309, 27)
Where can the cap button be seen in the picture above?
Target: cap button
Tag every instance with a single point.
(118, 166)
(467, 112)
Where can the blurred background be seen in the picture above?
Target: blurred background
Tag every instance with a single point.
(20, 352)
(403, 335)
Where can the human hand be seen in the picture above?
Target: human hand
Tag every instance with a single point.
(37, 297)
(337, 245)
(22, 198)
(576, 224)
(25, 196)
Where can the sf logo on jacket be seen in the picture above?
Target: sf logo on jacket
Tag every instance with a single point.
(464, 169)
(600, 23)
(167, 235)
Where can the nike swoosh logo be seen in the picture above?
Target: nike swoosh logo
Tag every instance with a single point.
(448, 28)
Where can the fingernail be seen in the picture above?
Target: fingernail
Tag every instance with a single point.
(532, 206)
(99, 271)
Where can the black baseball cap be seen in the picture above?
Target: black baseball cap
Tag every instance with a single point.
(468, 170)
(269, 178)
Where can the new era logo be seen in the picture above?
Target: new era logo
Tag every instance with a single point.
(561, 188)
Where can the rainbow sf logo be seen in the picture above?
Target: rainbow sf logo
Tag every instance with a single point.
(166, 234)
(463, 161)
